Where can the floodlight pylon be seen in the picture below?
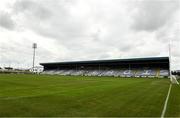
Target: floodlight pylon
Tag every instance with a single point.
(34, 54)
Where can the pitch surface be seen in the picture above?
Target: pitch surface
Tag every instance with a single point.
(42, 95)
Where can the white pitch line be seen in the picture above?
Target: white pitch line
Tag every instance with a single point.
(166, 101)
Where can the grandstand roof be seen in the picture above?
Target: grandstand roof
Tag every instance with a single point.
(148, 59)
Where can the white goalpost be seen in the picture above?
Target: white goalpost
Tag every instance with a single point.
(173, 78)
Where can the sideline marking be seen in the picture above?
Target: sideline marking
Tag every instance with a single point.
(165, 104)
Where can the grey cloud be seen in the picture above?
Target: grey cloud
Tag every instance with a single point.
(126, 48)
(105, 56)
(154, 14)
(49, 19)
(23, 5)
(6, 21)
(32, 8)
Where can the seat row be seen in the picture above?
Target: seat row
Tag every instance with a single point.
(117, 73)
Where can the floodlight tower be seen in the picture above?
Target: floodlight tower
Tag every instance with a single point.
(34, 54)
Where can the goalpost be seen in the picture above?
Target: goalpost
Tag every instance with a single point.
(173, 78)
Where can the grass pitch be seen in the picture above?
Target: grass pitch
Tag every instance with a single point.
(42, 95)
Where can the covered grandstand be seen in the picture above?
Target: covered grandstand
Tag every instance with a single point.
(134, 67)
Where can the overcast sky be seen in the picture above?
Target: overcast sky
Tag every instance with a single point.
(68, 30)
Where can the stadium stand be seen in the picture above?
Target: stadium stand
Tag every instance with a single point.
(136, 67)
(164, 72)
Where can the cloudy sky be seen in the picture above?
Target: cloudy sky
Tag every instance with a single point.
(68, 30)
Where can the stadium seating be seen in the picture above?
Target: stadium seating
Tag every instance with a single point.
(77, 72)
(146, 73)
(107, 73)
(128, 73)
(92, 73)
(163, 72)
(117, 73)
(49, 72)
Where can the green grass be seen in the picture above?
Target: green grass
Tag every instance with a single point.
(42, 95)
(173, 109)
